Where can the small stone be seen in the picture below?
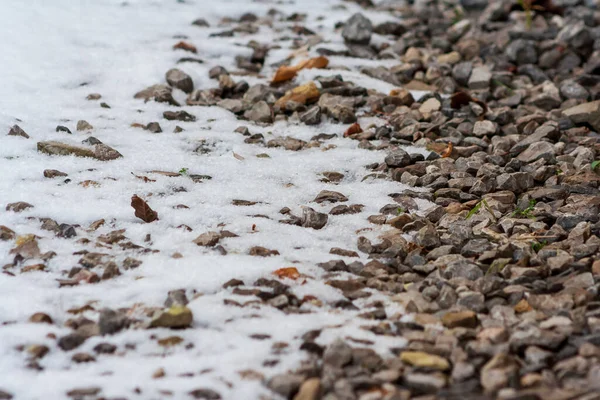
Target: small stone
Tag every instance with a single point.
(17, 131)
(430, 105)
(94, 96)
(428, 237)
(313, 219)
(205, 394)
(54, 173)
(153, 127)
(484, 128)
(358, 29)
(480, 78)
(421, 359)
(179, 116)
(208, 239)
(329, 196)
(71, 341)
(101, 151)
(462, 319)
(176, 316)
(236, 106)
(585, 113)
(538, 150)
(37, 351)
(260, 112)
(338, 354)
(262, 252)
(82, 358)
(60, 128)
(18, 206)
(6, 233)
(80, 393)
(105, 348)
(398, 159)
(83, 125)
(285, 384)
(310, 390)
(40, 318)
(111, 321)
(180, 80)
(312, 116)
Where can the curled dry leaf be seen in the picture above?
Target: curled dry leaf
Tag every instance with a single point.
(289, 272)
(459, 99)
(285, 72)
(143, 210)
(144, 178)
(236, 155)
(353, 129)
(448, 151)
(185, 46)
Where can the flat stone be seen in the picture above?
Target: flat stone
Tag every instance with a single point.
(585, 113)
(17, 131)
(480, 78)
(100, 151)
(463, 319)
(421, 359)
(176, 316)
(180, 80)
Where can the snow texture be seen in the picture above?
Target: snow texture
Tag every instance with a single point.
(55, 53)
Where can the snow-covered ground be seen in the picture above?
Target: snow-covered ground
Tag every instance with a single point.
(55, 53)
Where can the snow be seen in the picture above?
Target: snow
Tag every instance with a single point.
(56, 53)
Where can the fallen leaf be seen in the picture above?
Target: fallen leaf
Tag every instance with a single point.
(317, 62)
(138, 125)
(302, 94)
(143, 210)
(459, 99)
(289, 272)
(353, 129)
(88, 183)
(170, 341)
(185, 46)
(448, 151)
(144, 178)
(284, 73)
(236, 155)
(80, 310)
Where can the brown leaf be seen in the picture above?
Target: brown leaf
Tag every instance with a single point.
(302, 94)
(236, 155)
(138, 125)
(289, 272)
(144, 178)
(185, 46)
(317, 62)
(353, 129)
(143, 210)
(446, 153)
(284, 73)
(459, 99)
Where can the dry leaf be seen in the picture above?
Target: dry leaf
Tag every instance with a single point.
(236, 155)
(80, 310)
(89, 183)
(143, 210)
(185, 46)
(302, 94)
(138, 125)
(353, 129)
(448, 151)
(317, 62)
(289, 272)
(459, 99)
(284, 73)
(144, 178)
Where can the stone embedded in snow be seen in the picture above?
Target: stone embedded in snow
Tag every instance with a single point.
(177, 316)
(287, 143)
(159, 93)
(17, 131)
(312, 116)
(6, 233)
(208, 239)
(398, 158)
(329, 196)
(179, 116)
(338, 354)
(313, 219)
(586, 113)
(100, 152)
(83, 125)
(310, 390)
(285, 384)
(236, 106)
(260, 112)
(180, 80)
(18, 206)
(358, 29)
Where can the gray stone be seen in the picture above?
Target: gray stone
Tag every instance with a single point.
(313, 219)
(536, 151)
(312, 116)
(586, 113)
(111, 321)
(17, 131)
(480, 78)
(456, 266)
(358, 29)
(285, 384)
(457, 30)
(522, 52)
(234, 105)
(462, 72)
(260, 112)
(428, 237)
(398, 158)
(338, 354)
(573, 90)
(484, 128)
